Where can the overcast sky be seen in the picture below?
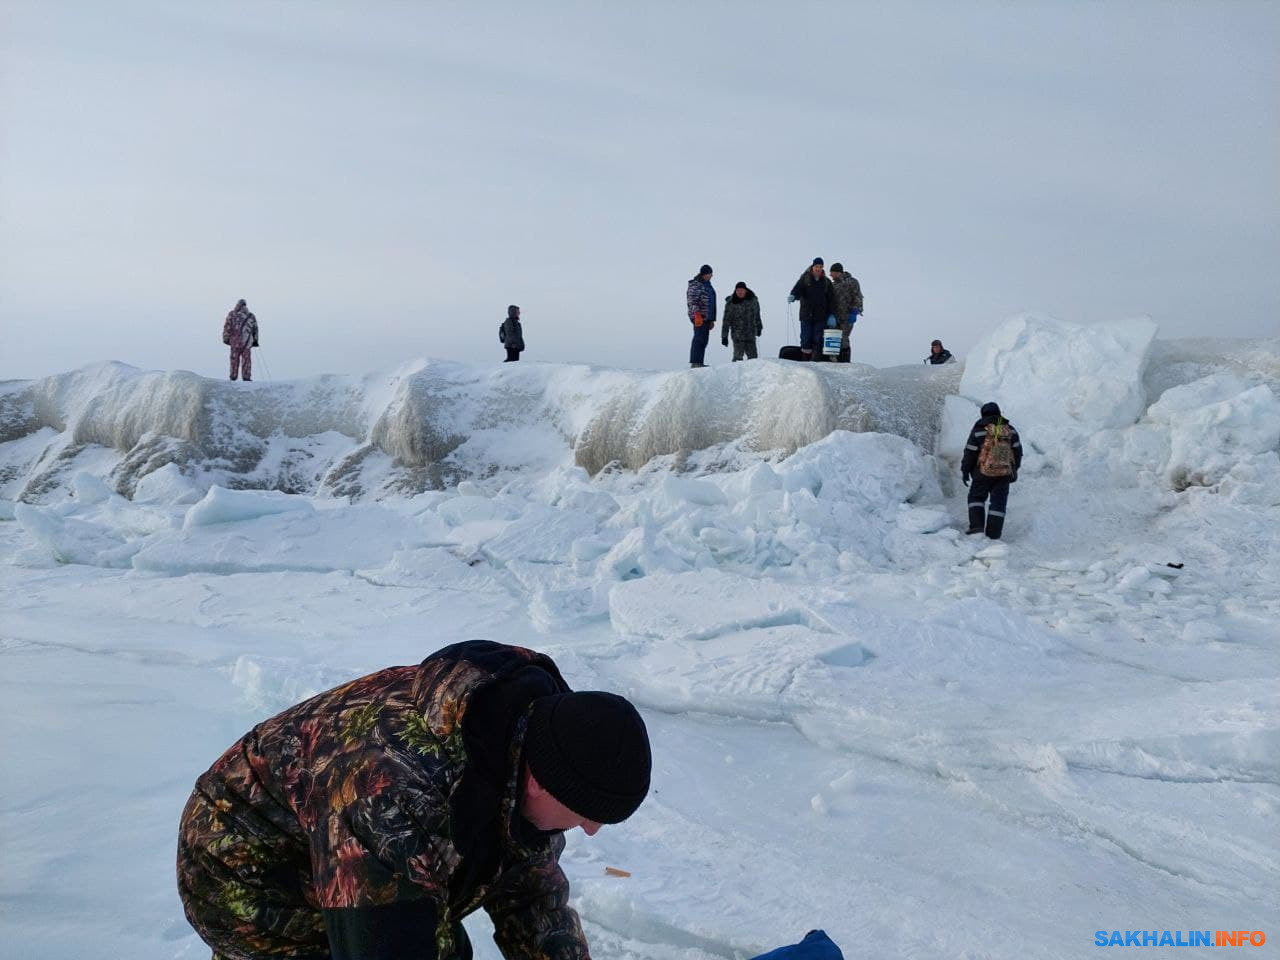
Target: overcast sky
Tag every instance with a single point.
(380, 180)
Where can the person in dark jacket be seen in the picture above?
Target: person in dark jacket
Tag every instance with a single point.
(240, 333)
(938, 354)
(817, 300)
(847, 294)
(511, 334)
(700, 298)
(366, 822)
(742, 322)
(991, 459)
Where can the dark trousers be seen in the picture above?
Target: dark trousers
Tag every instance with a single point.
(512, 354)
(811, 336)
(698, 349)
(989, 517)
(745, 348)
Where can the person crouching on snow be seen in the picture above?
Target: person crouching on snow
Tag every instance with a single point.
(366, 822)
(742, 322)
(991, 458)
(240, 333)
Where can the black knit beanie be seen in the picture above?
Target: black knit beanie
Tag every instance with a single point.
(837, 268)
(817, 262)
(705, 269)
(590, 751)
(512, 311)
(991, 409)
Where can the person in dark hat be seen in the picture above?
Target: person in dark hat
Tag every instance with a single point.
(742, 322)
(817, 299)
(700, 297)
(847, 306)
(991, 460)
(366, 822)
(511, 334)
(938, 354)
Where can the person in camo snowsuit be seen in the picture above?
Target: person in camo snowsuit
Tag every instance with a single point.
(990, 427)
(366, 822)
(846, 293)
(742, 322)
(240, 332)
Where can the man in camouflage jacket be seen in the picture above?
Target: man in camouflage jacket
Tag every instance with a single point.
(240, 333)
(366, 822)
(847, 294)
(742, 322)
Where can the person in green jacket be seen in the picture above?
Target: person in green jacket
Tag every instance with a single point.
(366, 822)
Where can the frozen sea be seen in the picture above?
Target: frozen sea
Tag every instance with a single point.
(928, 744)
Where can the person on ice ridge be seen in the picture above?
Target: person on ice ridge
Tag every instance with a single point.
(240, 333)
(511, 334)
(700, 299)
(367, 822)
(742, 322)
(817, 300)
(847, 306)
(938, 354)
(992, 457)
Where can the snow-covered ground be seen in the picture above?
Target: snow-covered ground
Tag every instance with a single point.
(929, 745)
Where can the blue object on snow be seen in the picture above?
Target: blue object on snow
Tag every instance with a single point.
(816, 945)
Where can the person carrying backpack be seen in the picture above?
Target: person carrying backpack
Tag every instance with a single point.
(742, 320)
(991, 458)
(700, 298)
(511, 334)
(240, 333)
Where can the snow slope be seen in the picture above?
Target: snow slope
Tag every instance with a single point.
(928, 744)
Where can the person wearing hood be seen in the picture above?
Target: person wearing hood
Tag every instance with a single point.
(991, 460)
(817, 300)
(700, 298)
(742, 322)
(938, 354)
(240, 333)
(511, 334)
(366, 822)
(847, 295)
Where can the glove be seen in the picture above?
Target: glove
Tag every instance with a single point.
(791, 298)
(724, 341)
(1013, 477)
(227, 341)
(964, 478)
(255, 341)
(697, 319)
(853, 317)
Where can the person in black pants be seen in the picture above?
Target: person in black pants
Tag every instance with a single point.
(991, 458)
(511, 333)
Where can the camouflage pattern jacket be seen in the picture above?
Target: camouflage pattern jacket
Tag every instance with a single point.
(240, 328)
(369, 820)
(848, 297)
(700, 298)
(742, 318)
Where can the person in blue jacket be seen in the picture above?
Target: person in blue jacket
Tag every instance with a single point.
(700, 298)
